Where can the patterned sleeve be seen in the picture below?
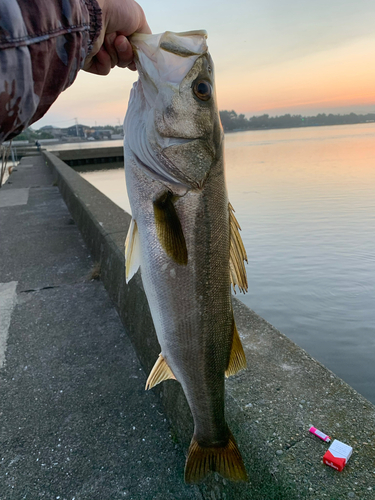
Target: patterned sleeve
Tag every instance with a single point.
(43, 44)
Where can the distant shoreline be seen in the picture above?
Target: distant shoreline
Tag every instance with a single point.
(230, 120)
(238, 123)
(56, 142)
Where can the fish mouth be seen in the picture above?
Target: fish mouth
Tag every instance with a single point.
(171, 42)
(167, 57)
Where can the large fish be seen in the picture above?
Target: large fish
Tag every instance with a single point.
(184, 235)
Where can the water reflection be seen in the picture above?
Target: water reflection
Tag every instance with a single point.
(111, 182)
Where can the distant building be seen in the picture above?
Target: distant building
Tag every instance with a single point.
(76, 130)
(102, 134)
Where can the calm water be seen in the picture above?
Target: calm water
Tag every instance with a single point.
(305, 201)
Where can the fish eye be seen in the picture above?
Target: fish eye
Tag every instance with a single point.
(202, 90)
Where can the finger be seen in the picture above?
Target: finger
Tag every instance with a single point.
(144, 28)
(124, 51)
(100, 64)
(110, 48)
(128, 19)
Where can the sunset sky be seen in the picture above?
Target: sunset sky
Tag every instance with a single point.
(271, 56)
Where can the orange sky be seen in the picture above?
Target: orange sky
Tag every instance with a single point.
(337, 78)
(270, 57)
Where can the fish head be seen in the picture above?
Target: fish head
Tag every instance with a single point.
(177, 104)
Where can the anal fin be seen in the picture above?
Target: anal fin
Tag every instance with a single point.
(160, 372)
(237, 359)
(132, 251)
(225, 460)
(238, 255)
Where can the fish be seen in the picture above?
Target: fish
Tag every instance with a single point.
(184, 236)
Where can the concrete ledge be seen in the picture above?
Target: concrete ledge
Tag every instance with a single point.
(270, 406)
(93, 155)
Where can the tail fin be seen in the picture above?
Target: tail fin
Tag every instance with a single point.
(226, 460)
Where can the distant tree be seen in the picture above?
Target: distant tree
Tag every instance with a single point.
(231, 121)
(45, 135)
(259, 121)
(32, 135)
(228, 119)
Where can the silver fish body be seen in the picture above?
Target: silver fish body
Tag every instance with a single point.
(183, 235)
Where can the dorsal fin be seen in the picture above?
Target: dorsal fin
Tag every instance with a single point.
(237, 359)
(169, 229)
(132, 251)
(160, 372)
(237, 255)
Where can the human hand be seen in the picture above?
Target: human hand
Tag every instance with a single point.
(120, 18)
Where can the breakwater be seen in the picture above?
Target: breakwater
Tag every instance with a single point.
(270, 406)
(91, 156)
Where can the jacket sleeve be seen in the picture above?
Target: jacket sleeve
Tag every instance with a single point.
(43, 45)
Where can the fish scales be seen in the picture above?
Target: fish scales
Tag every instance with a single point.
(181, 220)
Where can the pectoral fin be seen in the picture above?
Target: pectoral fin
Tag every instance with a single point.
(159, 373)
(237, 360)
(169, 229)
(132, 251)
(237, 255)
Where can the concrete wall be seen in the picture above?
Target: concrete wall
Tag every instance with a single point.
(270, 406)
(94, 155)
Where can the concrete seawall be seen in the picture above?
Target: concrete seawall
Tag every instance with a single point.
(270, 406)
(94, 155)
